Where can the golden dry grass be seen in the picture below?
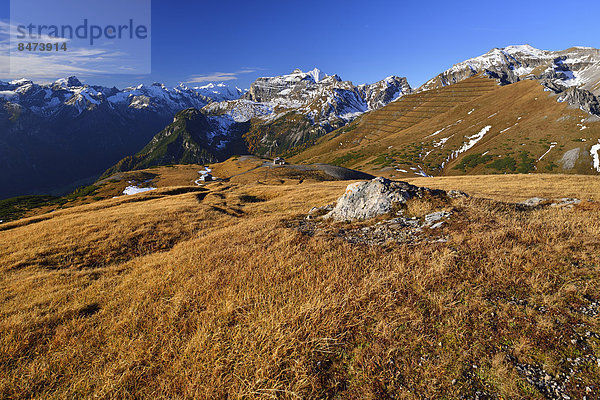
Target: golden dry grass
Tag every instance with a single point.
(212, 295)
(518, 187)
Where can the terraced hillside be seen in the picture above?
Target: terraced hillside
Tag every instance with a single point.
(397, 116)
(472, 127)
(416, 108)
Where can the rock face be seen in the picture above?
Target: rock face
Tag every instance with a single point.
(581, 98)
(290, 110)
(570, 158)
(365, 200)
(381, 93)
(325, 99)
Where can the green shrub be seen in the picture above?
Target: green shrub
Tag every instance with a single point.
(506, 164)
(473, 160)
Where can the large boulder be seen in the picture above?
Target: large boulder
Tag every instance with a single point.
(365, 200)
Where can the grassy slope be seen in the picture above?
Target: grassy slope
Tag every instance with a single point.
(525, 120)
(241, 170)
(209, 295)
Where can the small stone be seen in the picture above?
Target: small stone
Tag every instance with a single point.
(436, 216)
(453, 194)
(565, 202)
(534, 201)
(437, 225)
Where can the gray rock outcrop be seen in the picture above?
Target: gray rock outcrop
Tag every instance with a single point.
(565, 202)
(534, 201)
(570, 157)
(365, 200)
(581, 98)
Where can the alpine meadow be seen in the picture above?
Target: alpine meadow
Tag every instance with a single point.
(274, 231)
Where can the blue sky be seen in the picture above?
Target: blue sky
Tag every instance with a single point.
(238, 41)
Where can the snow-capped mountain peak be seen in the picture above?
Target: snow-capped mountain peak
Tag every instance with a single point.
(577, 66)
(316, 74)
(20, 82)
(525, 49)
(71, 81)
(219, 91)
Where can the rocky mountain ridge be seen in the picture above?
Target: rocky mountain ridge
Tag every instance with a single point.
(325, 99)
(573, 74)
(292, 110)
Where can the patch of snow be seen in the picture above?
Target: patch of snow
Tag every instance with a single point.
(435, 133)
(443, 129)
(316, 74)
(129, 190)
(423, 174)
(544, 155)
(8, 94)
(473, 140)
(427, 153)
(441, 142)
(204, 176)
(504, 130)
(594, 152)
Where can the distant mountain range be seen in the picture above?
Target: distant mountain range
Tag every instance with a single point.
(56, 136)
